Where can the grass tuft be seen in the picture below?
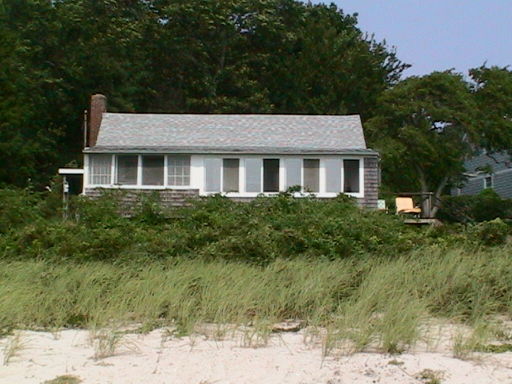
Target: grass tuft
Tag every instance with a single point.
(64, 379)
(106, 342)
(429, 376)
(14, 345)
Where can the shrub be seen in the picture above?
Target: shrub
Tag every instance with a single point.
(493, 232)
(456, 209)
(18, 207)
(214, 228)
(149, 209)
(102, 211)
(487, 205)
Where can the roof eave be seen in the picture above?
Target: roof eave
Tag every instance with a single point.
(233, 151)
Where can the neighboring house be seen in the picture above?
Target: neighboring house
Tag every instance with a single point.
(488, 171)
(241, 156)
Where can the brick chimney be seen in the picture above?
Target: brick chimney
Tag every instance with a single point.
(98, 107)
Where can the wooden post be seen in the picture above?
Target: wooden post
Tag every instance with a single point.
(65, 197)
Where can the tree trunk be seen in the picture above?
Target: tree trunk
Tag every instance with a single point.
(437, 195)
(430, 206)
(425, 201)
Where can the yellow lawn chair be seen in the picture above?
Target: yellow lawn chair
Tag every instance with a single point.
(406, 205)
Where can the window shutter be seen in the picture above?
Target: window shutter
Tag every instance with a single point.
(253, 175)
(332, 175)
(212, 168)
(293, 172)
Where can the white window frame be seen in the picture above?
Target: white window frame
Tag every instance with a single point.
(115, 168)
(87, 172)
(138, 185)
(281, 171)
(360, 194)
(486, 185)
(140, 169)
(198, 176)
(242, 173)
(321, 170)
(282, 176)
(240, 184)
(166, 174)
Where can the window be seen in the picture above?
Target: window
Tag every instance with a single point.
(253, 175)
(212, 169)
(178, 170)
(100, 169)
(311, 175)
(351, 176)
(152, 170)
(270, 175)
(127, 169)
(230, 175)
(488, 182)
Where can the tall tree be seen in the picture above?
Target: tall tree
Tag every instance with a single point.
(424, 129)
(492, 89)
(233, 56)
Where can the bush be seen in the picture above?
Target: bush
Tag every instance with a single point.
(456, 209)
(493, 232)
(216, 227)
(487, 205)
(213, 228)
(18, 207)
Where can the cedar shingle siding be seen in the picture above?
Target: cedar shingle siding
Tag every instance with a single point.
(371, 182)
(131, 198)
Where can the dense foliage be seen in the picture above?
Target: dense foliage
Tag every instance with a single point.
(214, 228)
(486, 206)
(196, 56)
(426, 127)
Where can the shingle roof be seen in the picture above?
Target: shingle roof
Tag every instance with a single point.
(230, 133)
(497, 161)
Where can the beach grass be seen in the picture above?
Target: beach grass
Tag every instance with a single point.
(360, 302)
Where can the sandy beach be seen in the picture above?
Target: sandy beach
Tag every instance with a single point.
(159, 358)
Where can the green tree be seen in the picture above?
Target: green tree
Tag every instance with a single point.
(492, 89)
(25, 142)
(425, 129)
(209, 56)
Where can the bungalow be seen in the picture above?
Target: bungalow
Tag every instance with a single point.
(240, 156)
